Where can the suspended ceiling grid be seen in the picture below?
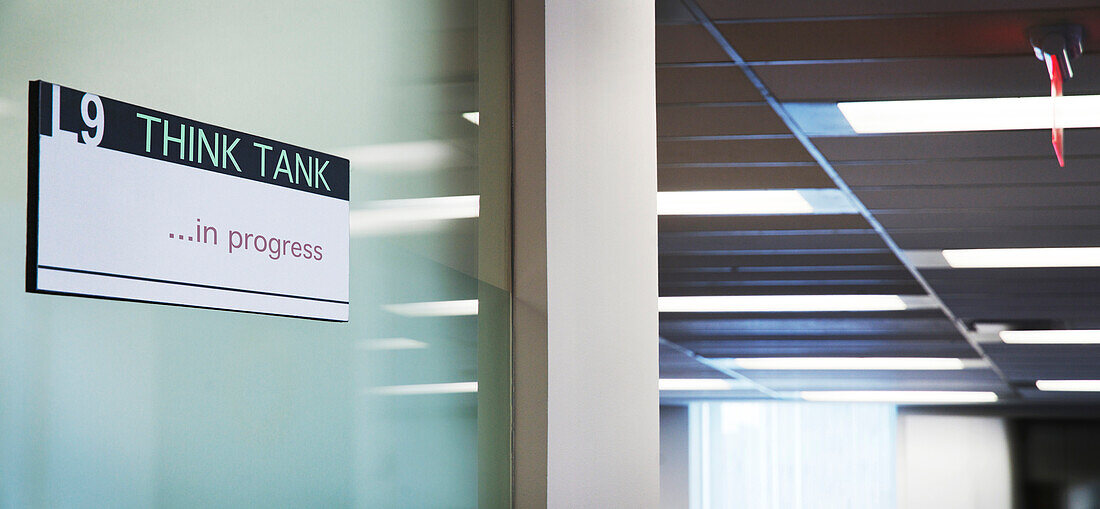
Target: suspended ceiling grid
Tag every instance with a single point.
(928, 191)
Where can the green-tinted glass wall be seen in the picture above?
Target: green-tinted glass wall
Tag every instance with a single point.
(113, 404)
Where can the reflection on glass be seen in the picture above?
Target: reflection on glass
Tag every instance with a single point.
(413, 215)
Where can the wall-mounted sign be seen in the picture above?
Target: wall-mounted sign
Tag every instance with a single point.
(129, 203)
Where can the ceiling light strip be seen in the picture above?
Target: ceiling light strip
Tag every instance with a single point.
(740, 202)
(825, 165)
(976, 114)
(754, 202)
(1050, 337)
(1029, 257)
(780, 303)
(845, 363)
(1068, 385)
(901, 397)
(696, 384)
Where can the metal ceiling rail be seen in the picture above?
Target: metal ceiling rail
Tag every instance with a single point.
(831, 61)
(722, 369)
(816, 154)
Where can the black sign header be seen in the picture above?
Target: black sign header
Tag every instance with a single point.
(124, 127)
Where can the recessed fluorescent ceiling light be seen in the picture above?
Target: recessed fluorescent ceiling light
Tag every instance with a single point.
(754, 201)
(926, 397)
(843, 363)
(472, 116)
(1023, 257)
(412, 215)
(1050, 337)
(695, 384)
(985, 114)
(417, 389)
(1068, 385)
(780, 303)
(434, 308)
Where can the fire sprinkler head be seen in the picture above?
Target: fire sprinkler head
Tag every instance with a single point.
(1060, 43)
(1056, 46)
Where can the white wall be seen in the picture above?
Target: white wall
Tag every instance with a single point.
(953, 462)
(675, 484)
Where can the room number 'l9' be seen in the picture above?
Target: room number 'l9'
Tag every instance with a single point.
(93, 118)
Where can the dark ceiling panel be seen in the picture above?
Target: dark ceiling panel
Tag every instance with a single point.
(920, 79)
(1035, 237)
(777, 260)
(857, 288)
(804, 176)
(761, 223)
(687, 43)
(894, 346)
(1027, 363)
(1021, 306)
(708, 340)
(718, 120)
(1030, 218)
(678, 326)
(1024, 276)
(731, 151)
(1075, 401)
(955, 197)
(807, 277)
(1061, 297)
(704, 84)
(1017, 171)
(1087, 286)
(672, 243)
(725, 9)
(672, 11)
(955, 35)
(939, 146)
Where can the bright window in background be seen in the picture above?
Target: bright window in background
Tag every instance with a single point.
(780, 455)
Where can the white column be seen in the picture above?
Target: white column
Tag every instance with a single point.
(585, 294)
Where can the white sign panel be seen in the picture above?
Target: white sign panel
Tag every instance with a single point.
(130, 203)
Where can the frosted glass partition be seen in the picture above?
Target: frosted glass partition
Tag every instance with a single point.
(113, 404)
(777, 455)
